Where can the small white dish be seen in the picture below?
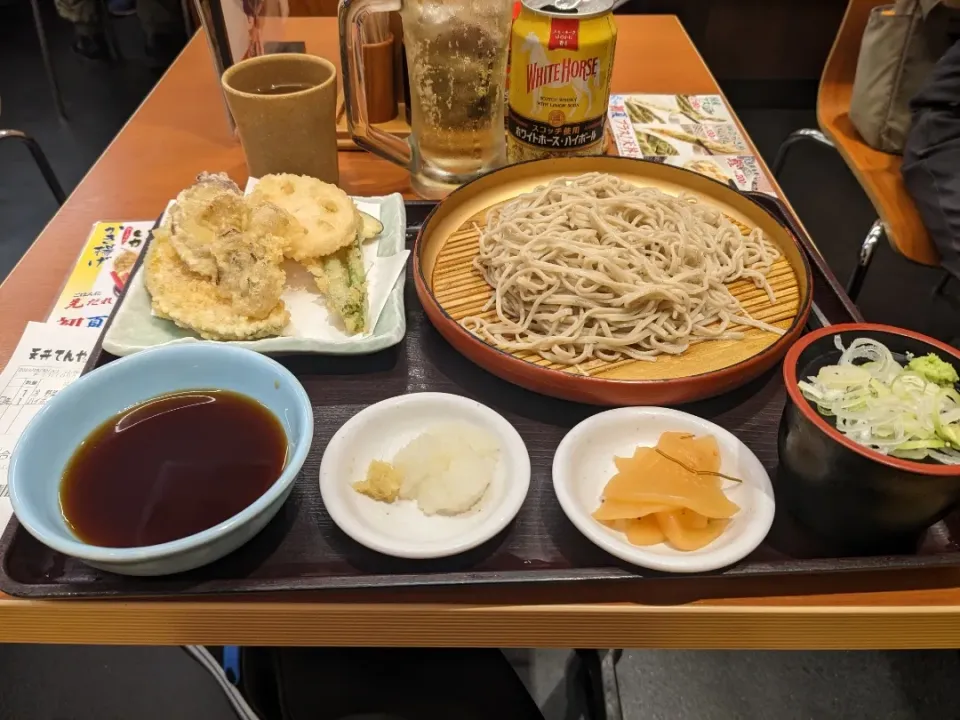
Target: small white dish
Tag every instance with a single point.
(583, 464)
(400, 529)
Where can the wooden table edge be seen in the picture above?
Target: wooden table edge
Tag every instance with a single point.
(430, 625)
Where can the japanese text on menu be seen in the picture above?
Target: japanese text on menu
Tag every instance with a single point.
(48, 358)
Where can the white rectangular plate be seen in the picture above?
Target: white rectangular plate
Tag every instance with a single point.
(134, 327)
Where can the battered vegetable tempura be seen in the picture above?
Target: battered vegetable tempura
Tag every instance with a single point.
(216, 264)
(212, 205)
(326, 213)
(193, 302)
(330, 249)
(215, 267)
(343, 281)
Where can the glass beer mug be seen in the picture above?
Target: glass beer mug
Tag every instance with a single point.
(456, 59)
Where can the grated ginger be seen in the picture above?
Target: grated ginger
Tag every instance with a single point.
(382, 483)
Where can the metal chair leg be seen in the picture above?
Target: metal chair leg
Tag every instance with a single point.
(942, 284)
(47, 60)
(599, 675)
(867, 250)
(40, 159)
(792, 139)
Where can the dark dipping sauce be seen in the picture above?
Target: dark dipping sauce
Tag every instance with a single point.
(171, 467)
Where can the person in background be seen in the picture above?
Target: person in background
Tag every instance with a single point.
(85, 17)
(161, 21)
(931, 155)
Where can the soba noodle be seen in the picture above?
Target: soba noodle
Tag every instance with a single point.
(593, 267)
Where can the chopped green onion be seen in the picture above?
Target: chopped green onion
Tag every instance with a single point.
(878, 403)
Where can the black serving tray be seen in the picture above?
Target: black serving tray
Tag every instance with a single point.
(302, 549)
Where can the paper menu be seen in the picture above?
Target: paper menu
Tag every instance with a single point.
(101, 271)
(668, 125)
(46, 360)
(696, 132)
(690, 140)
(672, 109)
(741, 172)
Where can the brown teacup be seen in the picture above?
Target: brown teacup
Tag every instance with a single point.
(285, 107)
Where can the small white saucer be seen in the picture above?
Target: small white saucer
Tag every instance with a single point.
(583, 464)
(400, 528)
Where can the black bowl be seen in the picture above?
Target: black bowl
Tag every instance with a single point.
(864, 502)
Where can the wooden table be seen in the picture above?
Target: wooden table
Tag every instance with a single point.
(179, 131)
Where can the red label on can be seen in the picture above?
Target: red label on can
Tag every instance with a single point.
(564, 34)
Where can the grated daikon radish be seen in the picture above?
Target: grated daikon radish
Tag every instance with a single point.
(447, 469)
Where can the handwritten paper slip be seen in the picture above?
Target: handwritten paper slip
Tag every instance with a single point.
(47, 359)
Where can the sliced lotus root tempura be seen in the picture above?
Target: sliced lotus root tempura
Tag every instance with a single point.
(328, 216)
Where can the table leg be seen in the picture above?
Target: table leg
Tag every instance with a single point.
(598, 672)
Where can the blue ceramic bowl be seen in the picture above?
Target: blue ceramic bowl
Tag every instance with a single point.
(53, 435)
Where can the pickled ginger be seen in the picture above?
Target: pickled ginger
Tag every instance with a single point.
(670, 493)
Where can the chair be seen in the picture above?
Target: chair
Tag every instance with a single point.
(40, 159)
(877, 172)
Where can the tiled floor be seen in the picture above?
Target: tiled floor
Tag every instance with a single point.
(719, 685)
(100, 683)
(45, 682)
(96, 683)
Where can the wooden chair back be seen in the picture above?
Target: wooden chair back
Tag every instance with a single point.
(878, 172)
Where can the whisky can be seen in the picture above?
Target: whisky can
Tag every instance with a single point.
(560, 67)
